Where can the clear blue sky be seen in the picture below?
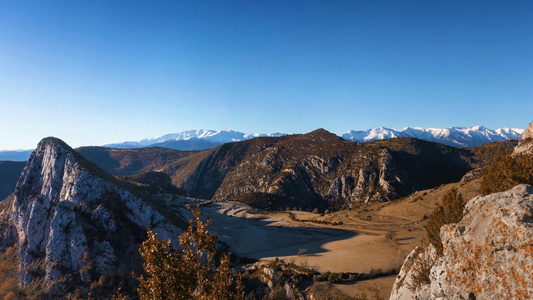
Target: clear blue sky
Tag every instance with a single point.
(96, 72)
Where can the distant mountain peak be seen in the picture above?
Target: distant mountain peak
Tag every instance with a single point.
(453, 136)
(320, 131)
(321, 134)
(461, 137)
(213, 137)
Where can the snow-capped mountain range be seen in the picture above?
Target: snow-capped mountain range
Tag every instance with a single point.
(206, 139)
(453, 136)
(212, 136)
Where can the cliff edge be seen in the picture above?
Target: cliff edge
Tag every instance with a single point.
(525, 146)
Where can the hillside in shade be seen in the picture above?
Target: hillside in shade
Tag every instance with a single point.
(125, 162)
(9, 174)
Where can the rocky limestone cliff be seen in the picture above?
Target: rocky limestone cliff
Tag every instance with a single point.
(316, 179)
(525, 146)
(315, 170)
(487, 255)
(321, 170)
(209, 173)
(74, 222)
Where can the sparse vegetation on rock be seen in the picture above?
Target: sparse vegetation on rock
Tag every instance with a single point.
(449, 211)
(525, 146)
(487, 254)
(9, 284)
(423, 260)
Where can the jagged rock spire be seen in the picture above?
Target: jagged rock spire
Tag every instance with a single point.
(73, 219)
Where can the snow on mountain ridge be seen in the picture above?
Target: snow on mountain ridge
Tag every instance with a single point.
(222, 136)
(453, 136)
(214, 136)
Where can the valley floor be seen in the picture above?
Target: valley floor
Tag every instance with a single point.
(376, 237)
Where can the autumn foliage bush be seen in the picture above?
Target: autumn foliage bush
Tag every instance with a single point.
(448, 212)
(188, 272)
(506, 172)
(9, 284)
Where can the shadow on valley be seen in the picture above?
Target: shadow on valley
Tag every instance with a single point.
(258, 237)
(402, 242)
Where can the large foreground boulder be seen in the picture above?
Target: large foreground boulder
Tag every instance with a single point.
(487, 255)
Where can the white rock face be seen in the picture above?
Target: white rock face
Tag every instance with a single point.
(487, 255)
(62, 213)
(525, 146)
(401, 288)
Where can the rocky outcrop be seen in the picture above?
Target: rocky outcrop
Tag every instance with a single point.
(277, 280)
(318, 169)
(472, 175)
(525, 146)
(487, 255)
(418, 261)
(74, 222)
(321, 170)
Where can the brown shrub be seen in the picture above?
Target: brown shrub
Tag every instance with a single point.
(421, 268)
(9, 284)
(450, 211)
(506, 172)
(190, 272)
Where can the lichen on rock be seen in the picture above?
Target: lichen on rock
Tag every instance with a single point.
(488, 254)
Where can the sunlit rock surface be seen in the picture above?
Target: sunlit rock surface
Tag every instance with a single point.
(525, 146)
(487, 255)
(73, 219)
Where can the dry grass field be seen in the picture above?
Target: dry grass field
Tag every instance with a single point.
(374, 237)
